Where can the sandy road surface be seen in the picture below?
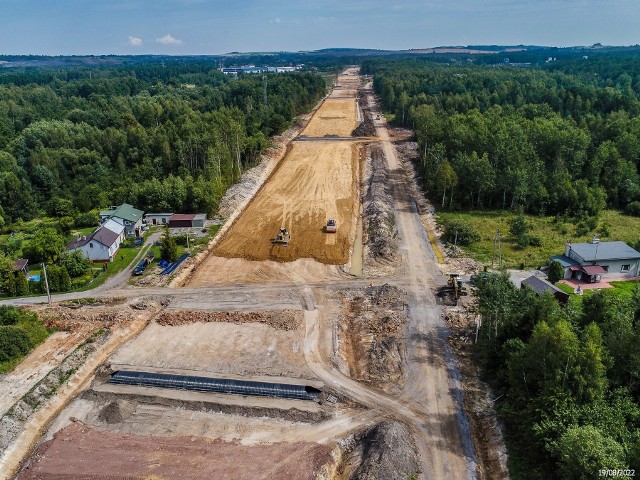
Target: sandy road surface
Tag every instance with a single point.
(336, 116)
(315, 181)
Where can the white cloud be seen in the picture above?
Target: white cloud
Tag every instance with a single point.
(135, 41)
(275, 20)
(168, 40)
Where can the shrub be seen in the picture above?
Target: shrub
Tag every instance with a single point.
(9, 315)
(633, 209)
(14, 343)
(555, 272)
(461, 232)
(88, 219)
(535, 241)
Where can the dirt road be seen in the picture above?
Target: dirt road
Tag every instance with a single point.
(432, 384)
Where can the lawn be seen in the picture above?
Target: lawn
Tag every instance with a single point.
(122, 259)
(553, 235)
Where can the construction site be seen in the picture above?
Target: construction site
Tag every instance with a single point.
(308, 341)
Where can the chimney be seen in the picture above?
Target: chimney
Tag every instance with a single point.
(595, 240)
(567, 249)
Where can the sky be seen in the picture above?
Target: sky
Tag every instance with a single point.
(209, 27)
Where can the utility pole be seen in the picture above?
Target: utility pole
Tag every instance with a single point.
(266, 100)
(499, 250)
(46, 281)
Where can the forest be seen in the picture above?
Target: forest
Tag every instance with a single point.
(563, 139)
(163, 137)
(559, 140)
(566, 379)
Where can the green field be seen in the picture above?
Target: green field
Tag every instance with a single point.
(552, 234)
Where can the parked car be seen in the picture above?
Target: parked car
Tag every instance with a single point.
(141, 266)
(138, 242)
(480, 276)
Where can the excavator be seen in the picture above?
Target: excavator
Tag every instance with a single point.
(283, 237)
(453, 290)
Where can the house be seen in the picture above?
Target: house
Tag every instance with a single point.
(157, 218)
(100, 246)
(125, 215)
(589, 262)
(187, 220)
(20, 265)
(115, 227)
(541, 286)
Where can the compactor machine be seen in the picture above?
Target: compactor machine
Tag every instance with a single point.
(331, 226)
(283, 237)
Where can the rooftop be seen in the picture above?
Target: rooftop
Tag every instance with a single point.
(593, 252)
(540, 286)
(124, 211)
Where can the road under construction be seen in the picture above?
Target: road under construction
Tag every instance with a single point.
(356, 351)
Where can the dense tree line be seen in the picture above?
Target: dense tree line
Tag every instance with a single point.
(20, 331)
(162, 137)
(545, 140)
(568, 378)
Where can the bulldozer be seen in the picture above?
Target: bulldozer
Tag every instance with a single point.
(453, 290)
(283, 237)
(331, 226)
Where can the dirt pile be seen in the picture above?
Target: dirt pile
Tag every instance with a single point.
(366, 127)
(116, 411)
(68, 318)
(388, 452)
(478, 402)
(371, 337)
(286, 320)
(381, 242)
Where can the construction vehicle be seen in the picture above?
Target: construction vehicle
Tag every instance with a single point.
(453, 290)
(282, 238)
(331, 226)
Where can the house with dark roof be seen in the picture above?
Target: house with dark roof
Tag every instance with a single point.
(590, 261)
(100, 246)
(20, 265)
(125, 215)
(542, 286)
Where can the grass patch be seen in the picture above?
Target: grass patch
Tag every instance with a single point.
(628, 287)
(552, 233)
(30, 324)
(122, 260)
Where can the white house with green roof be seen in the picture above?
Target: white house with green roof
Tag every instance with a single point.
(126, 215)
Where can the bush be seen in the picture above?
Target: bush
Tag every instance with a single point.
(9, 315)
(633, 209)
(14, 343)
(535, 241)
(555, 272)
(88, 219)
(460, 232)
(75, 263)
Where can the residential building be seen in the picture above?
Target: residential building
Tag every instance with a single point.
(589, 262)
(100, 246)
(541, 286)
(187, 220)
(125, 215)
(157, 218)
(20, 265)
